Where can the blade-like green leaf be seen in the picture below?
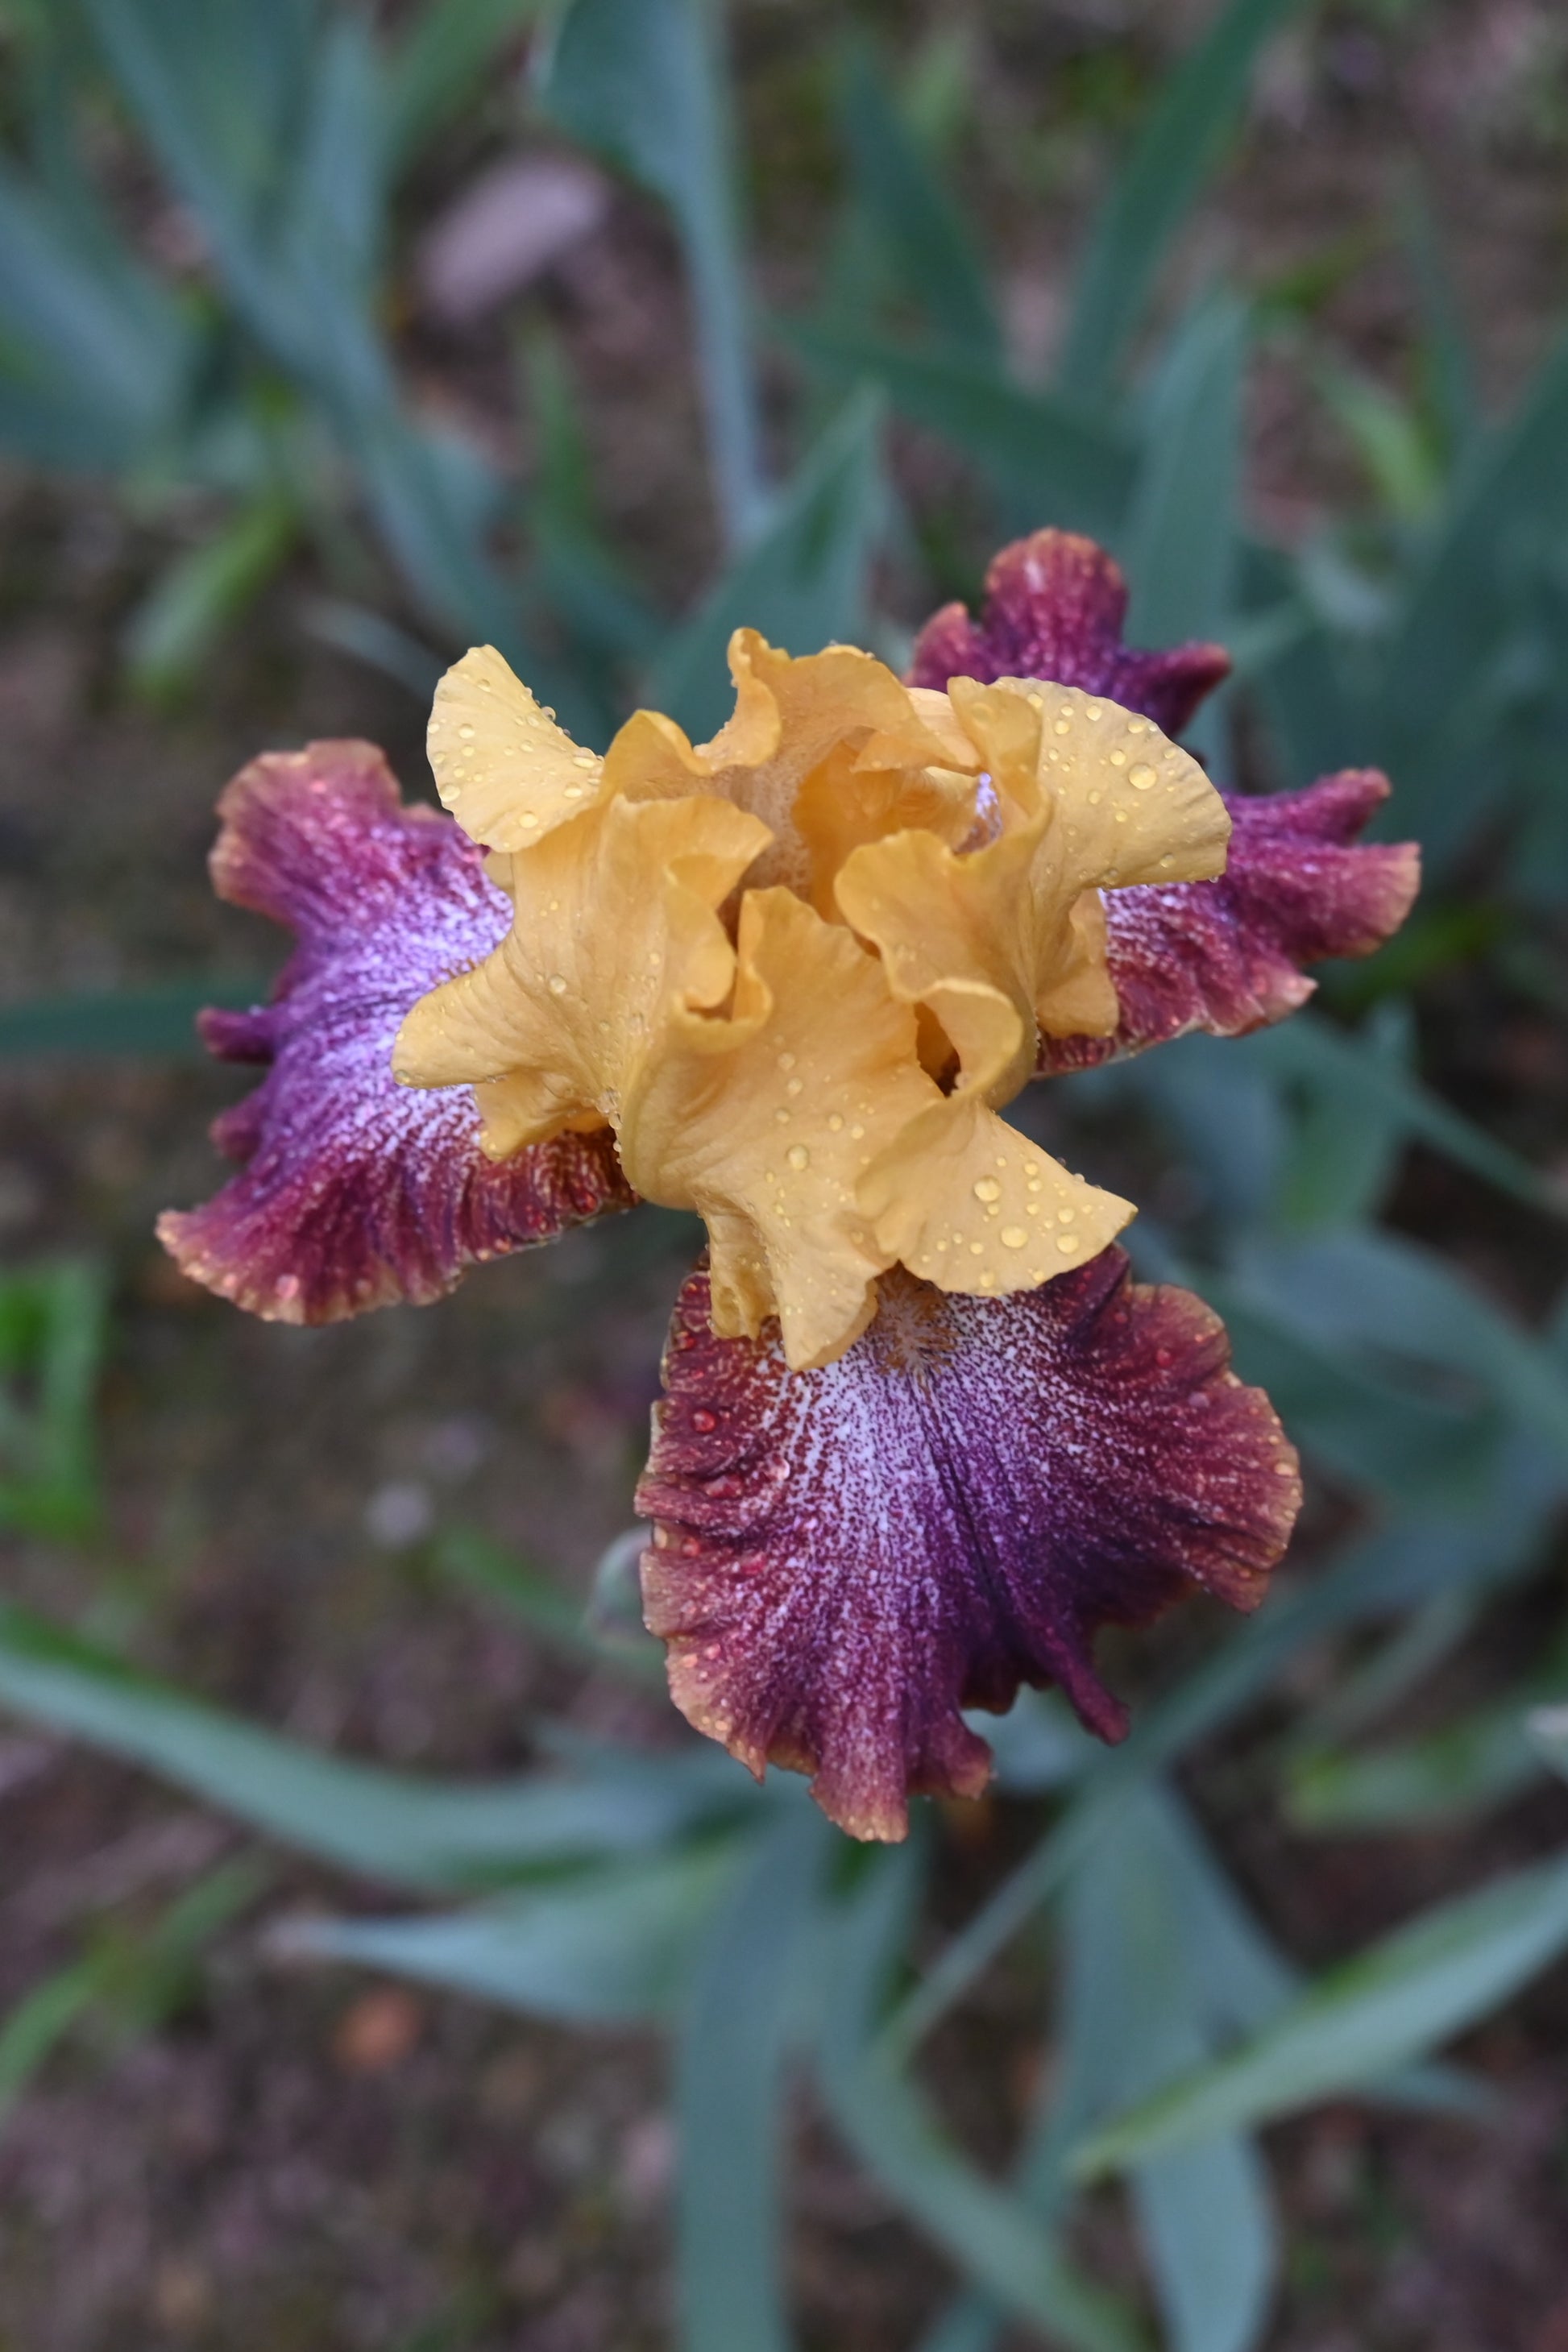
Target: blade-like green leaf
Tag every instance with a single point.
(200, 594)
(1404, 1997)
(888, 2123)
(1182, 550)
(918, 226)
(1069, 466)
(1451, 1775)
(1185, 138)
(640, 80)
(130, 1020)
(735, 2025)
(441, 64)
(53, 1329)
(802, 583)
(388, 1825)
(611, 1945)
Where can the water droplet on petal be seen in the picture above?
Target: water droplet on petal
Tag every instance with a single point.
(1014, 1236)
(986, 1188)
(557, 984)
(703, 1420)
(1141, 777)
(798, 1156)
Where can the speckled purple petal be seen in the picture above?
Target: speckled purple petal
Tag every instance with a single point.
(1226, 956)
(356, 1191)
(1054, 608)
(845, 1558)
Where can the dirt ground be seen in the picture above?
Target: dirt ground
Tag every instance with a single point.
(308, 2158)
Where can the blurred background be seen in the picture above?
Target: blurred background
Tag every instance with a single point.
(382, 1964)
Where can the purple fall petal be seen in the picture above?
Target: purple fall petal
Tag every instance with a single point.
(355, 1192)
(845, 1558)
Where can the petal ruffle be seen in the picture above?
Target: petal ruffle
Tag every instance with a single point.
(1054, 608)
(1226, 956)
(357, 1193)
(845, 1558)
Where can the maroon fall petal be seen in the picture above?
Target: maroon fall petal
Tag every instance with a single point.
(845, 1558)
(356, 1191)
(1055, 604)
(1225, 956)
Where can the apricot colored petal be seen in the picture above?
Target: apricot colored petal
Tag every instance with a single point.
(765, 1120)
(1054, 605)
(1225, 956)
(354, 1192)
(840, 706)
(965, 1202)
(846, 1559)
(614, 928)
(502, 766)
(1129, 806)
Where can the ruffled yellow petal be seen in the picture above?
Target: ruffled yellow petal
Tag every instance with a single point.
(765, 1120)
(506, 771)
(614, 931)
(1131, 805)
(828, 750)
(996, 939)
(966, 1201)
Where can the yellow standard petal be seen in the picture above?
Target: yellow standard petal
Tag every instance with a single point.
(966, 1201)
(614, 930)
(765, 1122)
(506, 771)
(828, 750)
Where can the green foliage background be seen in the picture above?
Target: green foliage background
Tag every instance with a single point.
(1428, 633)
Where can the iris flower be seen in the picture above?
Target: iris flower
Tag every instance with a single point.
(921, 1434)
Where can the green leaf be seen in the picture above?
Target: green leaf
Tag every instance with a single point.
(53, 1330)
(735, 2026)
(606, 1946)
(1068, 465)
(1410, 1993)
(441, 66)
(1509, 505)
(1389, 437)
(924, 234)
(802, 583)
(43, 2017)
(1450, 1775)
(200, 594)
(545, 1606)
(1183, 140)
(990, 2236)
(1182, 533)
(128, 1021)
(394, 1826)
(94, 353)
(1337, 1059)
(640, 81)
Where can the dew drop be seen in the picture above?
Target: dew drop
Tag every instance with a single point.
(835, 1124)
(557, 984)
(787, 1061)
(703, 1420)
(986, 1188)
(466, 733)
(857, 1132)
(792, 1088)
(976, 1248)
(798, 1157)
(1141, 777)
(1066, 1216)
(528, 820)
(1068, 1244)
(781, 1119)
(1014, 1236)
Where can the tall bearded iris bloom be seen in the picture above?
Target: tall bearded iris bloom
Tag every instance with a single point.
(921, 1434)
